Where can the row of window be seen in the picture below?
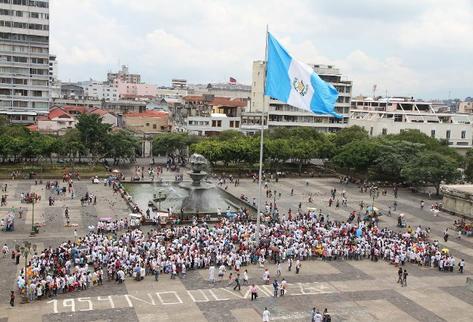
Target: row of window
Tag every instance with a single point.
(23, 25)
(22, 92)
(22, 37)
(432, 133)
(20, 59)
(23, 49)
(17, 13)
(31, 3)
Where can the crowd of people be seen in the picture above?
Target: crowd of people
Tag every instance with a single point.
(87, 261)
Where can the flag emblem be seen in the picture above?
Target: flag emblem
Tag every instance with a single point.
(299, 86)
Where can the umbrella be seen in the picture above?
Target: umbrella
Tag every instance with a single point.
(401, 215)
(445, 250)
(373, 209)
(115, 171)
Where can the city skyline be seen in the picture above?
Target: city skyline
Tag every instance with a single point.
(408, 48)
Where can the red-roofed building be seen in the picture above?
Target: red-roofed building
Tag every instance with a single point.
(56, 122)
(107, 117)
(149, 121)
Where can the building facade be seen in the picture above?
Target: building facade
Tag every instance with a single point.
(128, 90)
(465, 107)
(124, 76)
(147, 122)
(391, 116)
(282, 114)
(24, 57)
(54, 83)
(100, 90)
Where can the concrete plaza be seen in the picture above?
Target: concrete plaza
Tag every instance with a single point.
(351, 290)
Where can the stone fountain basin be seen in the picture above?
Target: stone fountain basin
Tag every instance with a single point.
(203, 199)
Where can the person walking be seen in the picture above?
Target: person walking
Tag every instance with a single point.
(266, 315)
(245, 277)
(276, 288)
(404, 278)
(254, 292)
(237, 283)
(12, 298)
(298, 266)
(445, 235)
(283, 287)
(399, 273)
(461, 266)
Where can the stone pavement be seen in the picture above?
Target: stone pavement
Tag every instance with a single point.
(351, 290)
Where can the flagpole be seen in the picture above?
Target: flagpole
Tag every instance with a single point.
(260, 175)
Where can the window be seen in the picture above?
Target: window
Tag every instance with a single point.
(154, 126)
(219, 123)
(371, 131)
(237, 123)
(231, 123)
(447, 135)
(214, 123)
(147, 124)
(432, 134)
(463, 134)
(385, 131)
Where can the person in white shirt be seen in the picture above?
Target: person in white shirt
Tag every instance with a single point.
(212, 274)
(266, 315)
(245, 277)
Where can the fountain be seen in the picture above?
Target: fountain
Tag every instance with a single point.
(196, 196)
(198, 163)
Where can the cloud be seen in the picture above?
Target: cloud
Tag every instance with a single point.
(405, 46)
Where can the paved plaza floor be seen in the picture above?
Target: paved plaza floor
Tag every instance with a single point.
(351, 290)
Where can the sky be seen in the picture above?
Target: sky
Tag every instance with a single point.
(420, 48)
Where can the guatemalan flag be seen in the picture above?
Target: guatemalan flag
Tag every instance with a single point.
(296, 83)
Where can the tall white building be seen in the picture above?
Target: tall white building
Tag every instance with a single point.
(391, 116)
(282, 114)
(54, 83)
(100, 90)
(24, 59)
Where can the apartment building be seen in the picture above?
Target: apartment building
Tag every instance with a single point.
(124, 75)
(282, 114)
(24, 59)
(100, 90)
(392, 115)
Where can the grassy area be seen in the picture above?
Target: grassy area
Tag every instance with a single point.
(51, 170)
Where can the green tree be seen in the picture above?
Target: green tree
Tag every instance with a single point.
(357, 155)
(468, 165)
(170, 143)
(350, 134)
(73, 146)
(430, 168)
(122, 145)
(93, 134)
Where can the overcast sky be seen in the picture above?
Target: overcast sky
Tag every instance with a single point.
(421, 48)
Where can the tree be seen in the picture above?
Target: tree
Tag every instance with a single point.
(302, 152)
(357, 155)
(170, 143)
(350, 134)
(93, 134)
(468, 165)
(393, 155)
(122, 145)
(73, 145)
(430, 168)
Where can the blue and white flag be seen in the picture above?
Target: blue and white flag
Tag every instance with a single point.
(295, 83)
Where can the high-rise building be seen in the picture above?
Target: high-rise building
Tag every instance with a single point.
(124, 76)
(54, 83)
(24, 59)
(278, 113)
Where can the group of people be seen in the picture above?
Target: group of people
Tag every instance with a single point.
(79, 264)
